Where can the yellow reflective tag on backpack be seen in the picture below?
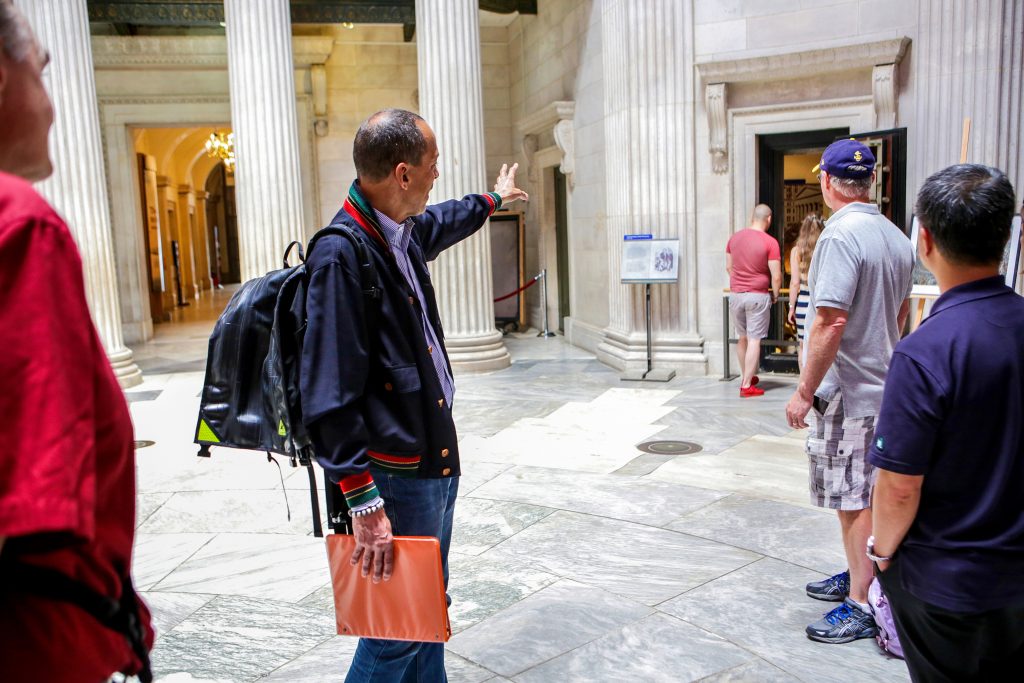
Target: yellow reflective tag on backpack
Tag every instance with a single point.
(281, 431)
(206, 434)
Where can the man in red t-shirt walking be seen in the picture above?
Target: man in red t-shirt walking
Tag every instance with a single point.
(755, 275)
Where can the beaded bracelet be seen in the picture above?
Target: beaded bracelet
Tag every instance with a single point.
(368, 510)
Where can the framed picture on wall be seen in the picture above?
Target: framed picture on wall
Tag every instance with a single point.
(1010, 268)
(924, 281)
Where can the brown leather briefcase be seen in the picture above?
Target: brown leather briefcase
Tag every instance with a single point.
(410, 606)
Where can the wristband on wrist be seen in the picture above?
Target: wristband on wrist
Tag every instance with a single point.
(870, 551)
(368, 509)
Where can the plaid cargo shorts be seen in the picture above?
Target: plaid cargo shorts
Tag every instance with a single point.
(840, 475)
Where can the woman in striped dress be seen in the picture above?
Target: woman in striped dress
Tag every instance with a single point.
(799, 265)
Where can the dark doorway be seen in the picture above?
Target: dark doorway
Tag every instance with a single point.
(889, 191)
(786, 184)
(225, 263)
(562, 248)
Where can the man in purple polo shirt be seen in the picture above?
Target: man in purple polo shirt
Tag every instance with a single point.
(948, 505)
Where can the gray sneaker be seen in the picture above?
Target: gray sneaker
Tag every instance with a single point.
(843, 624)
(833, 589)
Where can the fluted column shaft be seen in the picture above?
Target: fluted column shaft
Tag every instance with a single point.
(968, 62)
(649, 132)
(262, 85)
(78, 187)
(451, 100)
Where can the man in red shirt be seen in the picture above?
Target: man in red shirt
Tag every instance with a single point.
(755, 265)
(68, 612)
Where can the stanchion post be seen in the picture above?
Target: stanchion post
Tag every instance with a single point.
(544, 303)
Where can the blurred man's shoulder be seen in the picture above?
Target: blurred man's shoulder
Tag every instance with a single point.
(21, 204)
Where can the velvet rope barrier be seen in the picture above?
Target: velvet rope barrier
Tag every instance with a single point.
(529, 284)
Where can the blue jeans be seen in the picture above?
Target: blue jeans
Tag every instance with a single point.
(416, 507)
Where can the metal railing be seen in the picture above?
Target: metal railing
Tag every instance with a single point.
(729, 341)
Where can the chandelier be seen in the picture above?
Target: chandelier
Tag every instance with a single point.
(222, 146)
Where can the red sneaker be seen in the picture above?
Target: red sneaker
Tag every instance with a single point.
(751, 391)
(754, 380)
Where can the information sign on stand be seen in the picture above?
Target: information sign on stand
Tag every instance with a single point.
(648, 261)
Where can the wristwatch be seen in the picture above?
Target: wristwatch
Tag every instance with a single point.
(870, 550)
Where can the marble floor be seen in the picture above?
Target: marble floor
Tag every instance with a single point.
(576, 556)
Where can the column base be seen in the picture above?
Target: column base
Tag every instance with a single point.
(482, 353)
(127, 372)
(683, 353)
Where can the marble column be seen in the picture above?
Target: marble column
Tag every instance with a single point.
(451, 100)
(78, 188)
(649, 133)
(267, 176)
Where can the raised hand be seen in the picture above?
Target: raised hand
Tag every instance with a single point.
(505, 185)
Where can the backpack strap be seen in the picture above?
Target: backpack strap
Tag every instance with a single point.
(336, 517)
(367, 271)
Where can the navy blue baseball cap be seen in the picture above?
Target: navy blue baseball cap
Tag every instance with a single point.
(847, 159)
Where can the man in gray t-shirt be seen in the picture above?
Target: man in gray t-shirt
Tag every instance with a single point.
(860, 282)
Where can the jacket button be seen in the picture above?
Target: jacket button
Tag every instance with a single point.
(440, 403)
(444, 452)
(387, 386)
(411, 301)
(446, 471)
(430, 349)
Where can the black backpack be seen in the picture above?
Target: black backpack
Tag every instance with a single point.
(250, 397)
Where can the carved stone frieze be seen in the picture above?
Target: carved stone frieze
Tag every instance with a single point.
(154, 52)
(805, 63)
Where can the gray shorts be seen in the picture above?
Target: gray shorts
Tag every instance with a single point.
(750, 313)
(840, 475)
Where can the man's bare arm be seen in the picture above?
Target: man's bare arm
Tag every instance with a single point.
(822, 346)
(728, 263)
(901, 317)
(794, 282)
(775, 268)
(895, 499)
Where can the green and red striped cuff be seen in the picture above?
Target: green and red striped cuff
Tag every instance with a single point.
(358, 489)
(494, 199)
